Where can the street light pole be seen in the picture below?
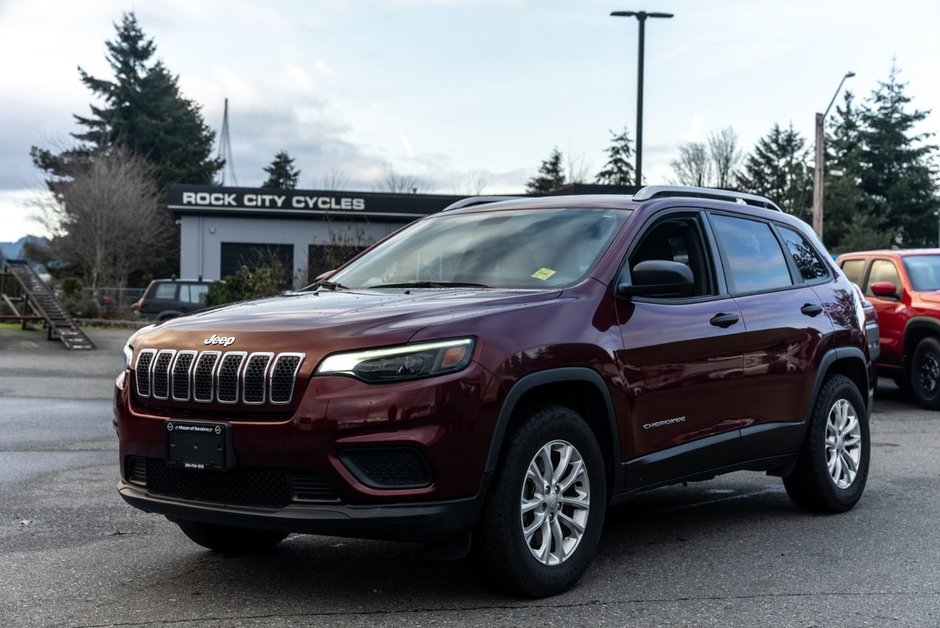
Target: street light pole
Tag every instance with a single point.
(641, 18)
(819, 169)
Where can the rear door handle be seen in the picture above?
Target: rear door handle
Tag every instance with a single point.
(724, 320)
(811, 309)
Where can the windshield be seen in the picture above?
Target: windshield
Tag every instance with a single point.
(923, 271)
(533, 248)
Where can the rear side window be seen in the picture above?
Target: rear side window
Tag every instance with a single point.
(193, 293)
(753, 254)
(882, 270)
(165, 291)
(853, 270)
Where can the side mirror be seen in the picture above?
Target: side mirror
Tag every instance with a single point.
(884, 289)
(656, 278)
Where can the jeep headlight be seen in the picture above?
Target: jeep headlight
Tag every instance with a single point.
(411, 361)
(128, 355)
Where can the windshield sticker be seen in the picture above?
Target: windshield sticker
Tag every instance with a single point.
(543, 273)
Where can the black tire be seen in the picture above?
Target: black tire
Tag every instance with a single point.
(924, 375)
(811, 485)
(501, 554)
(229, 540)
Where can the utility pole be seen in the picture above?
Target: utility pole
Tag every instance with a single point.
(820, 167)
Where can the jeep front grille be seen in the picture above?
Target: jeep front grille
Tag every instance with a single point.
(208, 376)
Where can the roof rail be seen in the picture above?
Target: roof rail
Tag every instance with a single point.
(470, 201)
(659, 191)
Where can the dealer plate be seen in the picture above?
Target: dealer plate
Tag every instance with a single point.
(198, 445)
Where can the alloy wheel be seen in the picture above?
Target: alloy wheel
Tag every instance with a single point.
(843, 443)
(555, 502)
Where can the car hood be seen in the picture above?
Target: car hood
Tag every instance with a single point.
(331, 321)
(929, 297)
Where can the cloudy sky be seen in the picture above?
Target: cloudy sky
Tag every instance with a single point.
(452, 90)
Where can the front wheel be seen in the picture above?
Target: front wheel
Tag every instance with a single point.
(925, 373)
(832, 469)
(230, 540)
(543, 517)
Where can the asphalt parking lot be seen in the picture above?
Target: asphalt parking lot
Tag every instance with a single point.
(729, 552)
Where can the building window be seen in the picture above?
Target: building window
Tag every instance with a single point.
(254, 255)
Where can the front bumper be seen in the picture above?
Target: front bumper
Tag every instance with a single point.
(418, 522)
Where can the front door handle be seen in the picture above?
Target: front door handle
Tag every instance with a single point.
(724, 320)
(811, 309)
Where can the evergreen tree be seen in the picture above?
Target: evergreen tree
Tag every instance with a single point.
(551, 175)
(849, 223)
(144, 111)
(778, 169)
(898, 172)
(618, 170)
(281, 172)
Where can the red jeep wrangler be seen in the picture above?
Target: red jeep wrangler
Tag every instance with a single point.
(904, 287)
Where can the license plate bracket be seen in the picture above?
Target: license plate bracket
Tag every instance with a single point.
(200, 446)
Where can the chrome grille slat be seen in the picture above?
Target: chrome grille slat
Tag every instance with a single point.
(256, 368)
(283, 375)
(204, 376)
(228, 375)
(160, 374)
(214, 376)
(142, 371)
(182, 368)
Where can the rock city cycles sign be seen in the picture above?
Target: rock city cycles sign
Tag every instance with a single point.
(271, 200)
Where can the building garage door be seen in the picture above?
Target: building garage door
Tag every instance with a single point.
(253, 255)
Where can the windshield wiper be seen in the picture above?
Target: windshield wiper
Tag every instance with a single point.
(430, 284)
(331, 285)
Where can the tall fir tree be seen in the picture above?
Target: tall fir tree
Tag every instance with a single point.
(281, 172)
(778, 168)
(898, 171)
(849, 222)
(551, 175)
(618, 170)
(144, 111)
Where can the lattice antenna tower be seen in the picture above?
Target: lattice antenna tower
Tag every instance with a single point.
(225, 151)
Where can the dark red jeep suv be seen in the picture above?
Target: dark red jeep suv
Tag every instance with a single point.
(489, 379)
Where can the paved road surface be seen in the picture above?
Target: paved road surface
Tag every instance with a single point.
(730, 552)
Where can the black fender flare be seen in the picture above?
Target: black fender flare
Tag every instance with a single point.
(917, 323)
(827, 360)
(551, 376)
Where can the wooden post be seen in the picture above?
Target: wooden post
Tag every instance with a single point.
(818, 177)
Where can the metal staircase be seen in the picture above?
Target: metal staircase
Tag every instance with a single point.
(38, 298)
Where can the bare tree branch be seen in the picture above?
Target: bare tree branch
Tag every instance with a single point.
(108, 220)
(401, 183)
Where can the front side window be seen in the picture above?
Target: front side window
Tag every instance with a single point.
(678, 240)
(882, 270)
(529, 248)
(754, 257)
(923, 271)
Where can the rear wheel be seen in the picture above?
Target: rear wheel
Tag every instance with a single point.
(832, 470)
(925, 373)
(230, 540)
(543, 517)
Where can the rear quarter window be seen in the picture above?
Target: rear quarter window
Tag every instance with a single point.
(809, 264)
(164, 291)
